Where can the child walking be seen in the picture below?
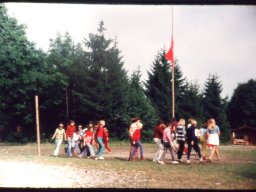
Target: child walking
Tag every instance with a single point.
(99, 137)
(59, 134)
(168, 143)
(106, 139)
(70, 133)
(87, 143)
(213, 140)
(135, 136)
(181, 133)
(193, 141)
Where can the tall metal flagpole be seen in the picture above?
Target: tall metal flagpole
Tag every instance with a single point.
(173, 93)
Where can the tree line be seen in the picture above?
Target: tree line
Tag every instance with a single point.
(86, 81)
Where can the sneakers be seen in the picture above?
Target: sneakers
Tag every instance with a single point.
(175, 162)
(188, 161)
(161, 162)
(201, 160)
(100, 157)
(180, 160)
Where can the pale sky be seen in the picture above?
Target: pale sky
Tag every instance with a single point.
(217, 39)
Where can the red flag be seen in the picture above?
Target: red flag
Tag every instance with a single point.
(169, 55)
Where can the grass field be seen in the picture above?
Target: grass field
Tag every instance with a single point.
(21, 167)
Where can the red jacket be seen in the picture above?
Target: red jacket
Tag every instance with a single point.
(136, 135)
(158, 132)
(70, 131)
(105, 135)
(88, 136)
(99, 132)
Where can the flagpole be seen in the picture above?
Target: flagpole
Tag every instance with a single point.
(173, 93)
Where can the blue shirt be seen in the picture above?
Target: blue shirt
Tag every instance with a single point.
(214, 131)
(203, 132)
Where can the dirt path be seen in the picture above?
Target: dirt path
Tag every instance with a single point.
(35, 175)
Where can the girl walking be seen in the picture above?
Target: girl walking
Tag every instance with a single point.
(99, 137)
(168, 143)
(181, 133)
(203, 139)
(87, 143)
(59, 134)
(213, 139)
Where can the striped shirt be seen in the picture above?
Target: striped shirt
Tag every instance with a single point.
(181, 133)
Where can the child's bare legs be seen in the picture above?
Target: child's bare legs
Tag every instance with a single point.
(212, 152)
(217, 152)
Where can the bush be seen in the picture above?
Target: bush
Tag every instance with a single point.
(16, 137)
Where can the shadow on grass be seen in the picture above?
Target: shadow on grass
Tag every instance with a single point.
(135, 160)
(249, 173)
(12, 144)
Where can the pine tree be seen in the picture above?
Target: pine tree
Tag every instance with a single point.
(140, 106)
(180, 91)
(158, 86)
(192, 103)
(106, 81)
(214, 106)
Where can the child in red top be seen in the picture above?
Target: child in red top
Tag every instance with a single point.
(106, 139)
(99, 137)
(87, 142)
(69, 133)
(135, 138)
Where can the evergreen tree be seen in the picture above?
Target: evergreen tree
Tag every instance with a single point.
(180, 88)
(158, 86)
(140, 106)
(214, 106)
(242, 106)
(106, 81)
(192, 103)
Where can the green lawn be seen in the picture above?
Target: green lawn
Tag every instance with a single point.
(236, 170)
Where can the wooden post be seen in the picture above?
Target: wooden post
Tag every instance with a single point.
(67, 104)
(37, 126)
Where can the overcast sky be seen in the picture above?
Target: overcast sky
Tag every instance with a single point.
(219, 39)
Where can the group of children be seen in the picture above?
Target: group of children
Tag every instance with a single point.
(171, 136)
(174, 136)
(80, 141)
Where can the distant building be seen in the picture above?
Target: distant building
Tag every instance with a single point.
(244, 135)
